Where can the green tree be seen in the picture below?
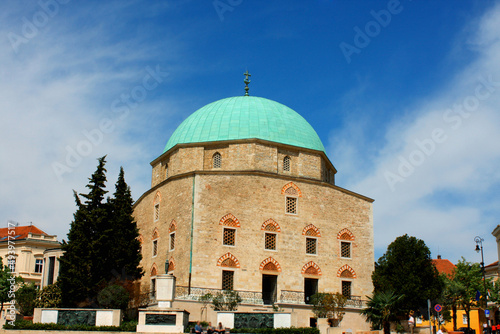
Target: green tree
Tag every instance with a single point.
(227, 300)
(26, 298)
(81, 265)
(6, 281)
(382, 309)
(49, 296)
(102, 247)
(452, 293)
(329, 305)
(468, 278)
(113, 296)
(407, 269)
(124, 248)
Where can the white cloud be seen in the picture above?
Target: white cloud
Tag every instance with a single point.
(59, 84)
(445, 196)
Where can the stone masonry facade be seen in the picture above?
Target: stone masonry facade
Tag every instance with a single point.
(264, 209)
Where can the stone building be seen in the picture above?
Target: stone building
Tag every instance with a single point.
(243, 197)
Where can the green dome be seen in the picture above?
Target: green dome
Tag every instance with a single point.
(245, 117)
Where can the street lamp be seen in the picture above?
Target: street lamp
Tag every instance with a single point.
(479, 247)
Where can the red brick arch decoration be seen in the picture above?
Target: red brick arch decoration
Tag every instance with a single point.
(230, 220)
(311, 268)
(346, 271)
(345, 234)
(311, 230)
(270, 264)
(228, 260)
(292, 185)
(271, 225)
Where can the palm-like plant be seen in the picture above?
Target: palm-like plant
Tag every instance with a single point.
(382, 309)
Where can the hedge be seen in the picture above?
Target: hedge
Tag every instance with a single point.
(291, 330)
(23, 324)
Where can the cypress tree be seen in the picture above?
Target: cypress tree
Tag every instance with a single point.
(80, 268)
(102, 245)
(124, 248)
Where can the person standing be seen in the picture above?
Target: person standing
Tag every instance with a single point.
(411, 322)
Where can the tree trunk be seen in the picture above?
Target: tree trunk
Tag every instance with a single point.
(454, 310)
(387, 327)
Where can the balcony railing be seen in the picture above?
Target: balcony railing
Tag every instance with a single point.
(248, 297)
(253, 297)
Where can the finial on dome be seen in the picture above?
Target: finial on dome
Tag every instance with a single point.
(246, 81)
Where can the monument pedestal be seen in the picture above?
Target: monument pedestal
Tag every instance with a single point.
(163, 318)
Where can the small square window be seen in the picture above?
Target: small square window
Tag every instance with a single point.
(38, 266)
(227, 280)
(291, 205)
(172, 241)
(345, 249)
(270, 242)
(311, 245)
(229, 237)
(157, 211)
(346, 289)
(155, 247)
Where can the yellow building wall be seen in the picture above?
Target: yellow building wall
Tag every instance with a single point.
(475, 321)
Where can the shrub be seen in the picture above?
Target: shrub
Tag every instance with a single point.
(113, 296)
(26, 298)
(49, 296)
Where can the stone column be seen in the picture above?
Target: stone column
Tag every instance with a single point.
(165, 290)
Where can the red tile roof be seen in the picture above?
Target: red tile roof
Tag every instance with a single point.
(494, 264)
(444, 266)
(20, 232)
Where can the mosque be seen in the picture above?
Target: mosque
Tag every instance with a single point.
(243, 198)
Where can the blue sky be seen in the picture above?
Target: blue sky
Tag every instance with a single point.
(404, 95)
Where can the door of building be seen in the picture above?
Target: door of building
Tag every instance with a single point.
(310, 288)
(269, 289)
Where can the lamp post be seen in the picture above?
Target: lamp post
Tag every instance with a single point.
(479, 248)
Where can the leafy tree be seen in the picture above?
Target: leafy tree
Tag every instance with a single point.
(6, 281)
(382, 309)
(26, 298)
(451, 296)
(113, 296)
(227, 300)
(329, 305)
(468, 278)
(49, 296)
(102, 245)
(407, 269)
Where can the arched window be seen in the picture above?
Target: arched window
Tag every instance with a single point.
(157, 201)
(345, 237)
(171, 233)
(230, 224)
(286, 164)
(292, 193)
(166, 171)
(216, 160)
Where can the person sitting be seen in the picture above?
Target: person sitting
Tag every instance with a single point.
(220, 328)
(198, 329)
(210, 329)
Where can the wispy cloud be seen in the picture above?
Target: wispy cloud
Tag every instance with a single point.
(442, 154)
(57, 90)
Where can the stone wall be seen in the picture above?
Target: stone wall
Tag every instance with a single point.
(249, 188)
